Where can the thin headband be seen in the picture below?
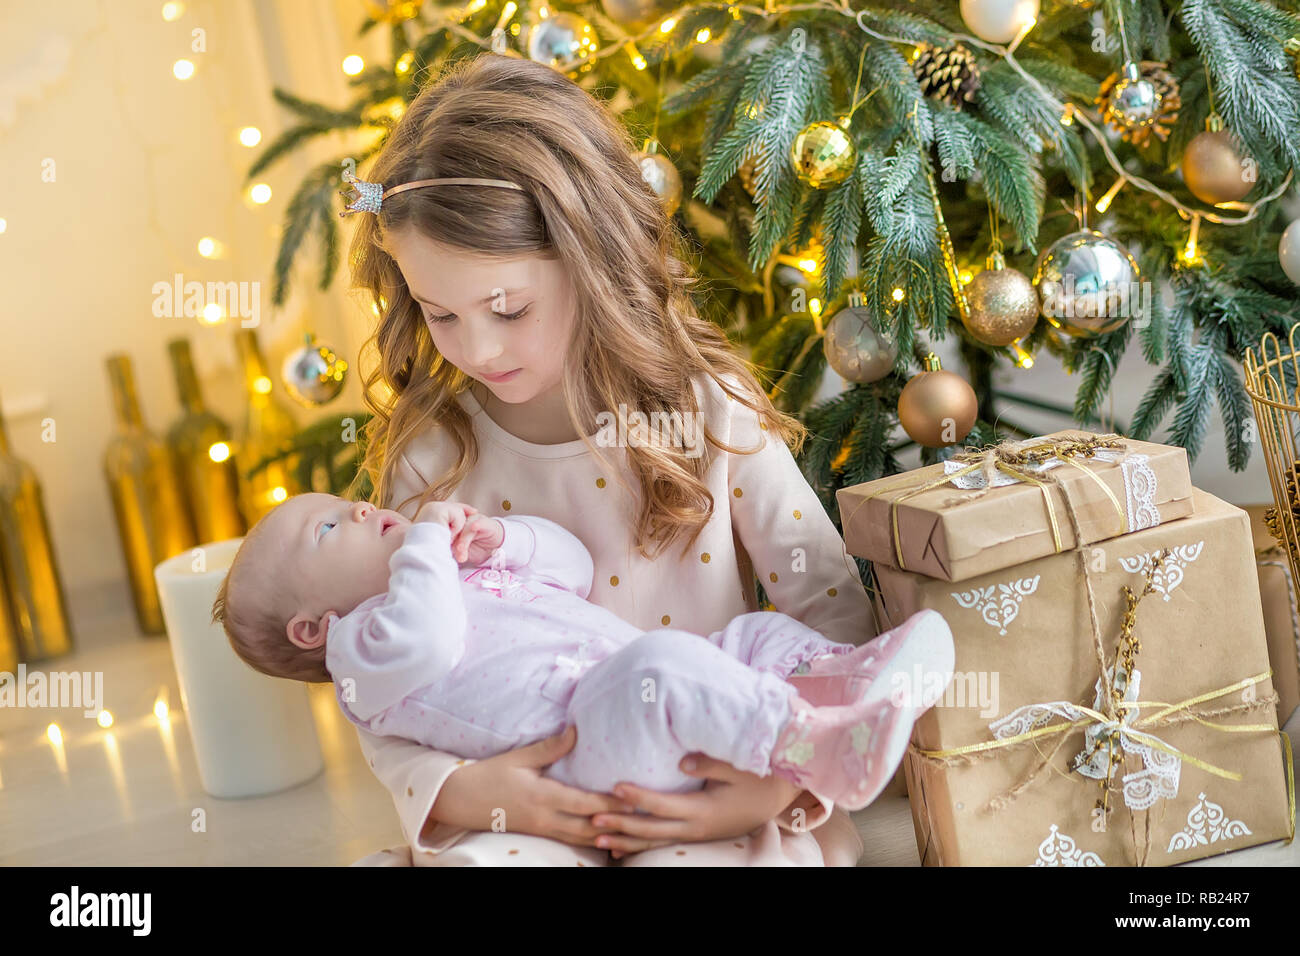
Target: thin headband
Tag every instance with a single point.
(369, 197)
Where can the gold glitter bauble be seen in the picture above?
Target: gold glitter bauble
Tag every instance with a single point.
(662, 178)
(747, 173)
(561, 40)
(823, 155)
(1003, 304)
(1214, 170)
(937, 407)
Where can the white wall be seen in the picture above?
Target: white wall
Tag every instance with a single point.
(145, 165)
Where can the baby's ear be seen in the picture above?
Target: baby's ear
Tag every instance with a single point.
(306, 631)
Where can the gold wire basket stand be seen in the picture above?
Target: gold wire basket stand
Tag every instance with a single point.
(1273, 384)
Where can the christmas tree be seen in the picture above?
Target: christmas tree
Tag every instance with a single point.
(855, 184)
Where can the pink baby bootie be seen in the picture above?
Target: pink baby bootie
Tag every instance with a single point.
(837, 679)
(849, 752)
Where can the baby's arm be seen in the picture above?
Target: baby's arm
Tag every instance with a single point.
(547, 552)
(415, 637)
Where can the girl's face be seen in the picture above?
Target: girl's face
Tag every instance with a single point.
(505, 323)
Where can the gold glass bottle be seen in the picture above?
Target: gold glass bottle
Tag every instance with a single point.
(204, 451)
(268, 428)
(151, 518)
(33, 589)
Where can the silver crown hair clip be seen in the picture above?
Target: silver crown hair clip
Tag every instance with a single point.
(369, 197)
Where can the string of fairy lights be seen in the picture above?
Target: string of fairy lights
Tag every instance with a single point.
(1069, 112)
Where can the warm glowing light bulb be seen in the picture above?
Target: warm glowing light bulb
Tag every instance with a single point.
(1023, 358)
(105, 719)
(667, 25)
(212, 313)
(250, 136)
(260, 193)
(405, 61)
(172, 11)
(815, 306)
(3, 225)
(638, 61)
(160, 709)
(55, 734)
(278, 494)
(219, 451)
(352, 65)
(898, 295)
(207, 247)
(262, 385)
(965, 276)
(703, 36)
(182, 69)
(1104, 202)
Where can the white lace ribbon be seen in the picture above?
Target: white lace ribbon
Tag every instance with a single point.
(1139, 482)
(1160, 771)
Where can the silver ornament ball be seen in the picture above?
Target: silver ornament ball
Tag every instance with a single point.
(313, 374)
(1087, 283)
(855, 349)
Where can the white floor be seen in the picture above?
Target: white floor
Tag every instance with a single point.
(128, 795)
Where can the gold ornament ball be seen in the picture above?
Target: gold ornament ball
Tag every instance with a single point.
(1213, 169)
(937, 407)
(748, 174)
(561, 40)
(1003, 305)
(663, 179)
(634, 15)
(823, 155)
(314, 374)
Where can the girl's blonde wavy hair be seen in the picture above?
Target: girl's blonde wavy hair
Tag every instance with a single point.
(637, 338)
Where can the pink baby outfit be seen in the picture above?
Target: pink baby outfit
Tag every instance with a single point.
(479, 661)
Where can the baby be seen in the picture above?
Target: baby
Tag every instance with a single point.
(472, 635)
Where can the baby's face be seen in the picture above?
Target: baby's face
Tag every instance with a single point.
(336, 551)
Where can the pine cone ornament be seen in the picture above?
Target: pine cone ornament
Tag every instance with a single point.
(1137, 128)
(1273, 519)
(950, 75)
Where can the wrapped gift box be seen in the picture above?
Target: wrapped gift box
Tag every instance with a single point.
(1026, 653)
(1277, 591)
(946, 534)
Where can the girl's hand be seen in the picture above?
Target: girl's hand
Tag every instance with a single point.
(732, 803)
(511, 788)
(453, 514)
(478, 539)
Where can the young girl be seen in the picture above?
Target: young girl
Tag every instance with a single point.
(518, 312)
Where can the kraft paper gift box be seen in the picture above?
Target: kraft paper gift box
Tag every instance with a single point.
(1188, 785)
(1277, 591)
(945, 534)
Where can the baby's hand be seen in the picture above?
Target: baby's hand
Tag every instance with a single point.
(477, 540)
(453, 514)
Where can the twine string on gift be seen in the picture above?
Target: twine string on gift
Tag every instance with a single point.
(1112, 721)
(1016, 460)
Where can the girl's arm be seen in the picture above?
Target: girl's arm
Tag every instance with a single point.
(797, 553)
(414, 638)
